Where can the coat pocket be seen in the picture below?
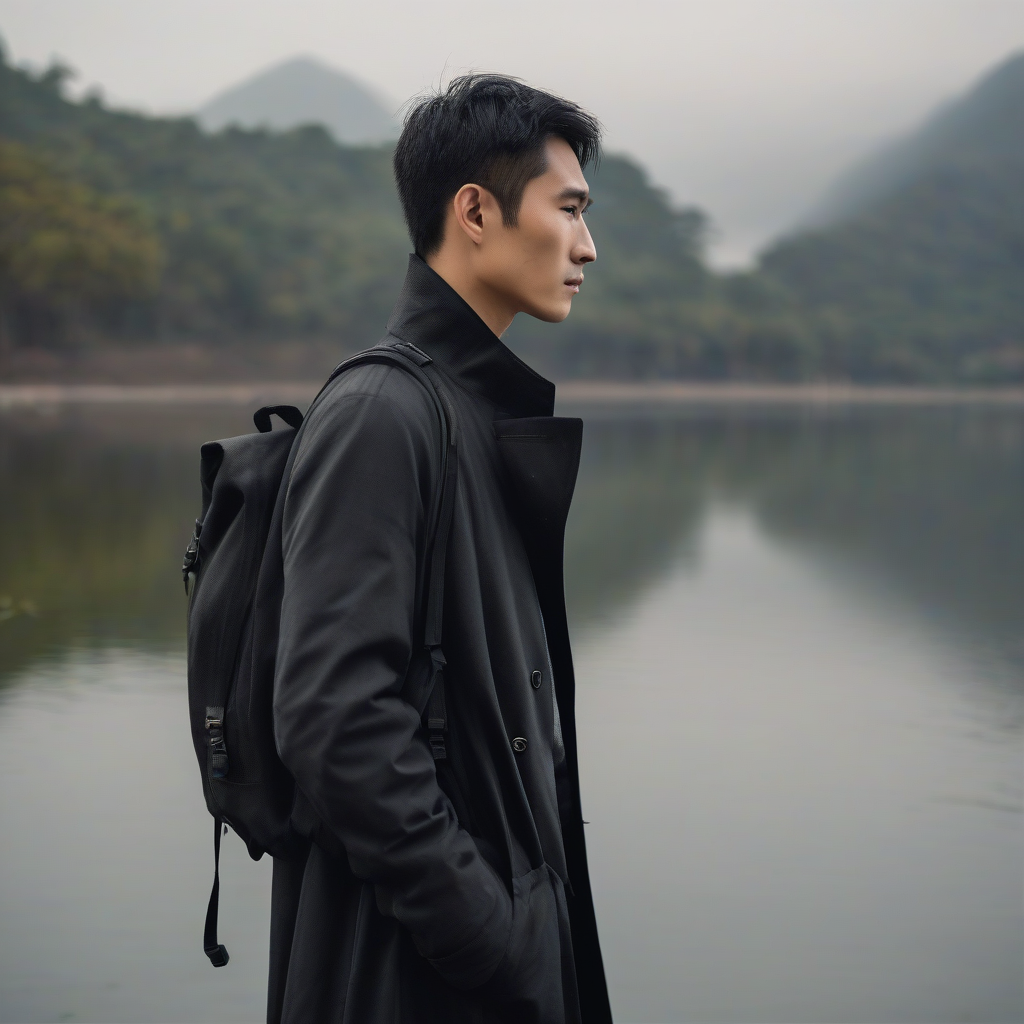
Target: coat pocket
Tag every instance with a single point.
(528, 983)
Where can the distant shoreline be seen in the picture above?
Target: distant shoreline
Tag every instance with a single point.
(738, 392)
(570, 393)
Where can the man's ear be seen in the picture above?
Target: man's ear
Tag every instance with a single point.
(474, 208)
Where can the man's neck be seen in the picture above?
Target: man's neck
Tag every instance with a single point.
(456, 272)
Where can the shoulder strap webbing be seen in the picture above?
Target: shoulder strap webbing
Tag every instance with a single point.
(214, 950)
(418, 363)
(437, 712)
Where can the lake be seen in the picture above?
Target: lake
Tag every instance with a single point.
(799, 636)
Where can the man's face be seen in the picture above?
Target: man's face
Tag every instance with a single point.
(538, 265)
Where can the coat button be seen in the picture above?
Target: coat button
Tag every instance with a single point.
(519, 744)
(536, 678)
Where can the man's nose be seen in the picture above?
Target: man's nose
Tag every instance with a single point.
(584, 250)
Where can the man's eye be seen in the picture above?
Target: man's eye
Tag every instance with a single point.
(570, 209)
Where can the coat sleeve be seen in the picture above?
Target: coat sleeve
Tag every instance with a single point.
(356, 516)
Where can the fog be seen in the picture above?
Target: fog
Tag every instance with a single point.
(747, 108)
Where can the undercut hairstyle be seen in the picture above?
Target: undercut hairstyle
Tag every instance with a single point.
(488, 130)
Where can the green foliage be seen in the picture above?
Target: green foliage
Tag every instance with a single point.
(923, 279)
(63, 248)
(263, 235)
(150, 228)
(927, 286)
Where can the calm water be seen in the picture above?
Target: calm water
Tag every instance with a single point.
(800, 648)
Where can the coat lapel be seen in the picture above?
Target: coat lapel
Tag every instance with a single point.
(541, 457)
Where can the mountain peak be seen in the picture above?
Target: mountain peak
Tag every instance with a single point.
(304, 90)
(986, 123)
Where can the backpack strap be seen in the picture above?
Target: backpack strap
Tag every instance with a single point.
(437, 713)
(419, 364)
(214, 950)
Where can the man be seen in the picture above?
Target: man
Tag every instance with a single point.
(457, 889)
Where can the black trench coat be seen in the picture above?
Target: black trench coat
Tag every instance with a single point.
(461, 892)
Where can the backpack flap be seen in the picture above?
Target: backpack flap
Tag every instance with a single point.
(240, 479)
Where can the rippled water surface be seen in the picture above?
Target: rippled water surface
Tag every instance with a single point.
(800, 658)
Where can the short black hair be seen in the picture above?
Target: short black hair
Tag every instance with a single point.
(486, 129)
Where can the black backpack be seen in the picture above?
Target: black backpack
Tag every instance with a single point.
(234, 578)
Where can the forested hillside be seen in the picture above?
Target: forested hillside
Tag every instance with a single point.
(250, 234)
(119, 230)
(253, 233)
(923, 275)
(985, 124)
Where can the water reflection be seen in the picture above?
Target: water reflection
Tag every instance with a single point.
(96, 510)
(106, 853)
(799, 632)
(97, 507)
(804, 805)
(928, 502)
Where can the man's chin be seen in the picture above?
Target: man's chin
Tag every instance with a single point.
(553, 314)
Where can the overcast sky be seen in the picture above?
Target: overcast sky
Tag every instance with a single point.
(747, 108)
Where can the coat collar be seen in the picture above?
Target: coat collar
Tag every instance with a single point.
(431, 315)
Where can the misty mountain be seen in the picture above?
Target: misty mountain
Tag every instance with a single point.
(985, 125)
(923, 275)
(304, 91)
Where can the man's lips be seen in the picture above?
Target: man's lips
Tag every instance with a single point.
(574, 283)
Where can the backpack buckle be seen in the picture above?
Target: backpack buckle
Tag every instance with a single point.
(437, 712)
(191, 554)
(417, 355)
(217, 750)
(219, 956)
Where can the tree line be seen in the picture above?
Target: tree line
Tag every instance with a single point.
(122, 229)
